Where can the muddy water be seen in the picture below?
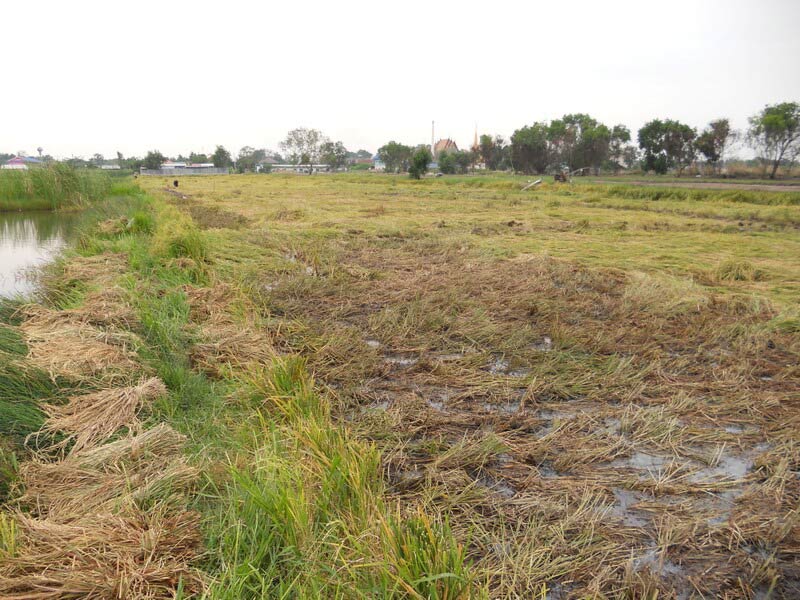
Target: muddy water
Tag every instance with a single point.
(29, 240)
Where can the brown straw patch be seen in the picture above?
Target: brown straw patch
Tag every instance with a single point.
(91, 419)
(62, 344)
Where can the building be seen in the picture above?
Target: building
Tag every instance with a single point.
(22, 163)
(315, 168)
(172, 168)
(377, 163)
(445, 145)
(266, 164)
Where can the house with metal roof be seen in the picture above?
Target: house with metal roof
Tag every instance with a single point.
(22, 163)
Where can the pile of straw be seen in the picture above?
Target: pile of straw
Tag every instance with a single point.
(62, 344)
(128, 555)
(91, 419)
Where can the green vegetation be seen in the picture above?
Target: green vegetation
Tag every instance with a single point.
(51, 187)
(437, 388)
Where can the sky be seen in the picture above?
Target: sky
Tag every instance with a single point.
(82, 77)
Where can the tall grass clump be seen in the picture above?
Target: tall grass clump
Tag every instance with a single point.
(739, 270)
(51, 187)
(177, 236)
(306, 518)
(630, 192)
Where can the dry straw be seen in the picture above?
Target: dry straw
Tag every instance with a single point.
(91, 419)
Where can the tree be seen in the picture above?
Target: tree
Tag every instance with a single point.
(333, 154)
(198, 159)
(775, 135)
(447, 163)
(97, 159)
(617, 145)
(712, 142)
(222, 158)
(419, 163)
(492, 151)
(529, 148)
(248, 159)
(302, 146)
(630, 156)
(153, 160)
(665, 145)
(395, 156)
(464, 160)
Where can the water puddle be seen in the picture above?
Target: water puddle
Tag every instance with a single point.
(498, 486)
(498, 366)
(28, 240)
(544, 345)
(451, 357)
(372, 343)
(728, 467)
(657, 564)
(401, 360)
(504, 407)
(623, 508)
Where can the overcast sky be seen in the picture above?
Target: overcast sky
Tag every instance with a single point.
(81, 77)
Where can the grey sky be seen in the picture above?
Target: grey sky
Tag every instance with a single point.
(88, 76)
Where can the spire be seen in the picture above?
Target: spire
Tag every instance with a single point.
(475, 141)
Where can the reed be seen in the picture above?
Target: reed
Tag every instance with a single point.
(51, 187)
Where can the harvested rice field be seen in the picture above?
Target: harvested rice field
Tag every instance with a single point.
(347, 386)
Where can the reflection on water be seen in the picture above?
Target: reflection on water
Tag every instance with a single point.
(28, 240)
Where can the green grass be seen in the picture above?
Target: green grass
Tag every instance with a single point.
(642, 321)
(51, 187)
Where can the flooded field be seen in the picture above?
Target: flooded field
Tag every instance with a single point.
(600, 392)
(29, 240)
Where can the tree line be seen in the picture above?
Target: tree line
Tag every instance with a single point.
(575, 142)
(580, 143)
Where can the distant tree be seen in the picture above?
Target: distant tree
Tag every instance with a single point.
(630, 156)
(134, 163)
(97, 159)
(153, 160)
(120, 159)
(362, 154)
(4, 157)
(775, 135)
(620, 136)
(578, 141)
(529, 148)
(419, 162)
(40, 150)
(198, 158)
(464, 160)
(302, 146)
(222, 158)
(713, 141)
(333, 154)
(395, 156)
(248, 159)
(665, 145)
(447, 163)
(492, 151)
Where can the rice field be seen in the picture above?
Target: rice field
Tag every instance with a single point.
(360, 386)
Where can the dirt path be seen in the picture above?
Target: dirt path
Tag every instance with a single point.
(713, 185)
